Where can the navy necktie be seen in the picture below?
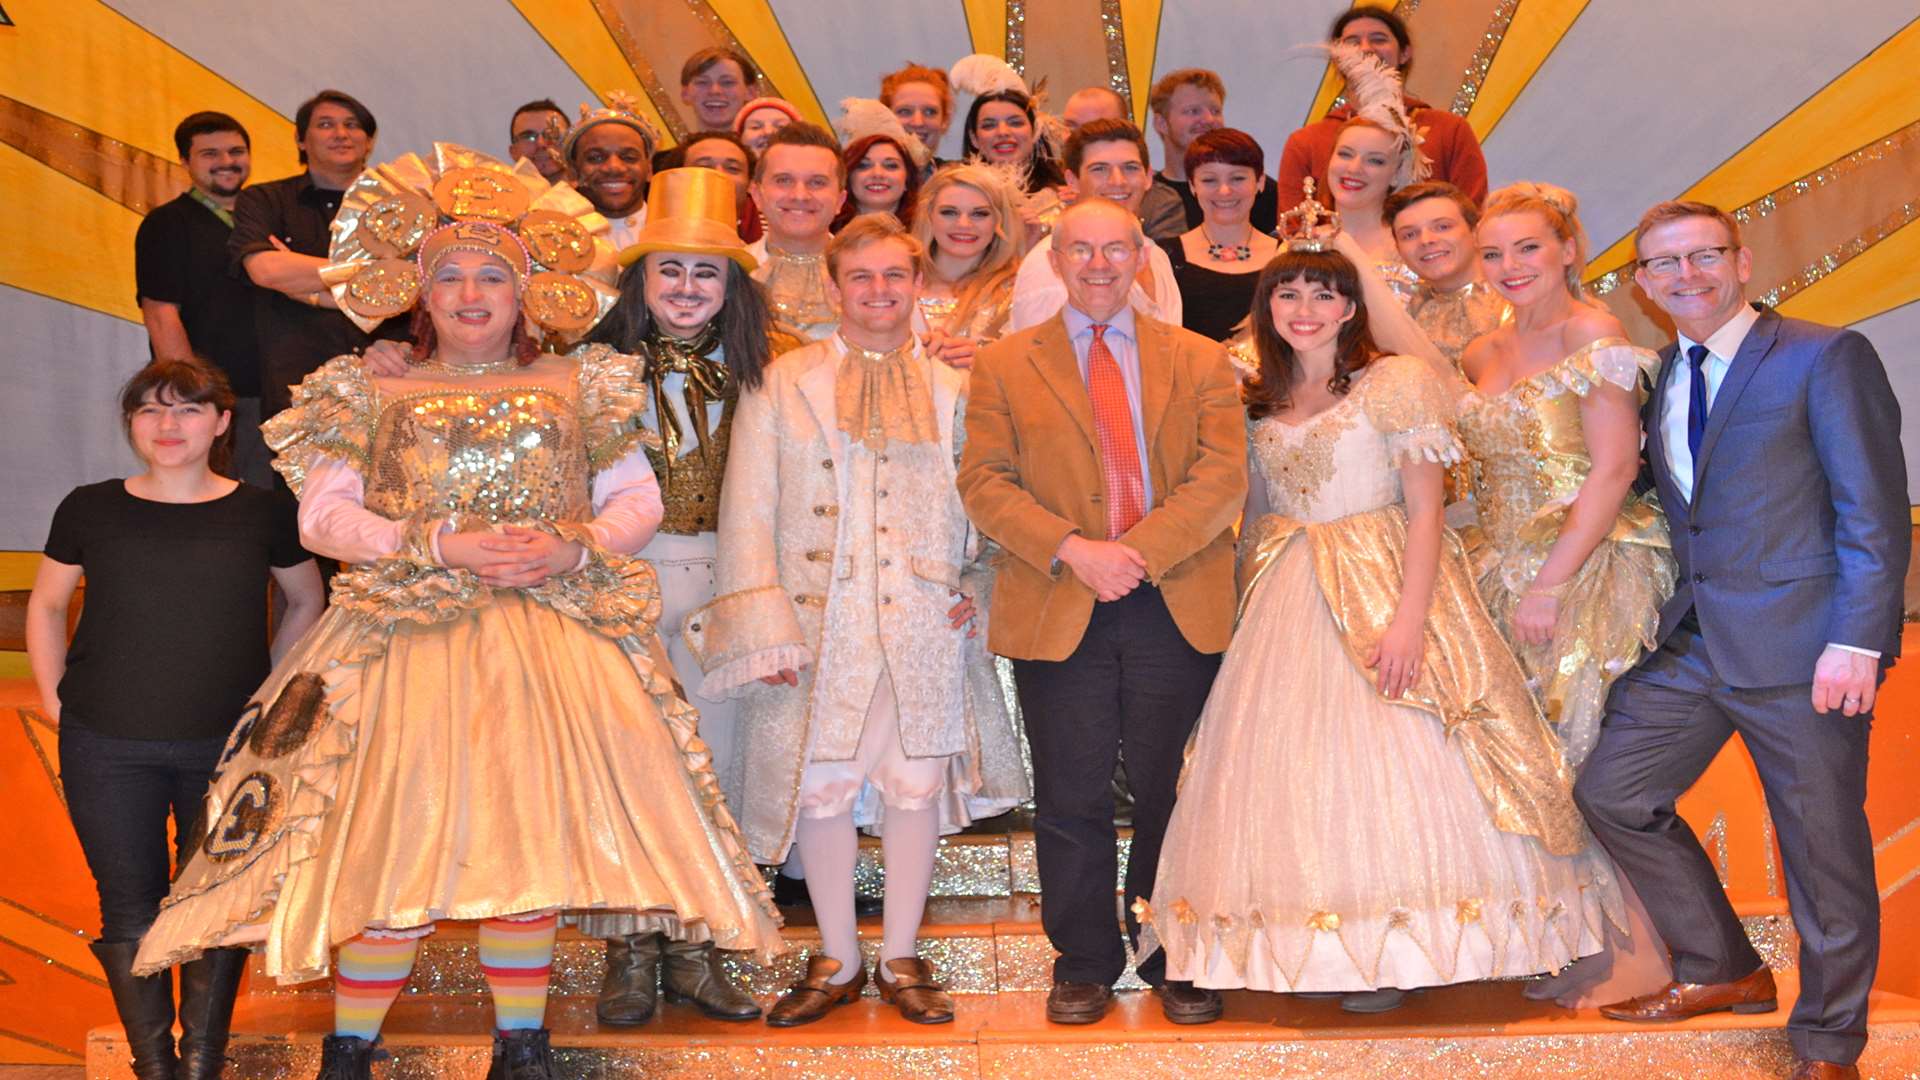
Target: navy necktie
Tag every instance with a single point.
(1697, 402)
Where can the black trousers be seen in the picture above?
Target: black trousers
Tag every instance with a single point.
(1666, 721)
(120, 793)
(1130, 693)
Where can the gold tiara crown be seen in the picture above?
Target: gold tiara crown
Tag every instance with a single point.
(1308, 226)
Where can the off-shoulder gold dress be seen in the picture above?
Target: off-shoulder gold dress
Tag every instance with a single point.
(436, 748)
(1530, 453)
(1327, 838)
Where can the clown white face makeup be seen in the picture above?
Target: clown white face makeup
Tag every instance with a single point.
(684, 291)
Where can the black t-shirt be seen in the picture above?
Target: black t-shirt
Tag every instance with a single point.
(180, 258)
(1264, 216)
(1212, 302)
(173, 631)
(294, 338)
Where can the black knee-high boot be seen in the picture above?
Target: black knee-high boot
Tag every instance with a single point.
(207, 989)
(145, 1005)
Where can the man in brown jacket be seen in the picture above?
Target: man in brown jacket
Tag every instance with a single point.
(1106, 454)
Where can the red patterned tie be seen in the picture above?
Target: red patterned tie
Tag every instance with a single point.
(1113, 425)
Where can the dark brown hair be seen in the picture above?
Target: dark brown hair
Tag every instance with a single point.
(801, 133)
(1098, 131)
(303, 116)
(1401, 198)
(1395, 25)
(1272, 389)
(742, 322)
(186, 380)
(707, 57)
(855, 153)
(1225, 146)
(206, 123)
(1042, 171)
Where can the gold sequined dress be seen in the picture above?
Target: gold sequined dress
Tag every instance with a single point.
(1327, 838)
(436, 748)
(1530, 454)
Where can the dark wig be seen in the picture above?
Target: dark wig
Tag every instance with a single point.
(855, 153)
(1271, 391)
(1042, 171)
(182, 381)
(743, 322)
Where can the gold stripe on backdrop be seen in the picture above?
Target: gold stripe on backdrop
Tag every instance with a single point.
(628, 36)
(1537, 28)
(1016, 37)
(126, 174)
(65, 240)
(986, 26)
(1449, 34)
(1481, 61)
(84, 62)
(753, 28)
(1851, 213)
(1141, 19)
(1869, 99)
(1113, 34)
(582, 38)
(1068, 46)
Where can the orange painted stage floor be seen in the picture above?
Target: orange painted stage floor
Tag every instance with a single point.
(984, 938)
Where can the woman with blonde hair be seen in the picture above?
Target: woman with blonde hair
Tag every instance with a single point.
(969, 227)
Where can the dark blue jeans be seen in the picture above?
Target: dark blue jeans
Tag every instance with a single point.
(120, 793)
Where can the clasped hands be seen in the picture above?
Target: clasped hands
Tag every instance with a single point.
(516, 557)
(1108, 567)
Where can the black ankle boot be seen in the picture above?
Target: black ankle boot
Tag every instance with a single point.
(522, 1055)
(207, 989)
(631, 989)
(346, 1057)
(145, 1005)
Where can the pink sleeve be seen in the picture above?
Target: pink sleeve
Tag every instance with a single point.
(334, 519)
(626, 503)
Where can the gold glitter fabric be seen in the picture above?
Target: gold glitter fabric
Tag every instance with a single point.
(1531, 459)
(483, 751)
(796, 287)
(1452, 318)
(881, 397)
(1327, 838)
(984, 320)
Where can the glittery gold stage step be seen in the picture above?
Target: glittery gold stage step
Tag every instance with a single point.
(977, 945)
(1463, 1031)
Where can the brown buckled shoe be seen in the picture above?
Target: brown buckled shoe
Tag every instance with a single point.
(913, 991)
(1683, 1001)
(814, 996)
(1078, 1002)
(1185, 1003)
(692, 973)
(1810, 1069)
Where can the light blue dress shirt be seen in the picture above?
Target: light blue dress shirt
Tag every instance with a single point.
(1124, 343)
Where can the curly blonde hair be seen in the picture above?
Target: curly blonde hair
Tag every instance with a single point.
(1557, 207)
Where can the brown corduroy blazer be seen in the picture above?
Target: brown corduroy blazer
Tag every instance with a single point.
(1030, 476)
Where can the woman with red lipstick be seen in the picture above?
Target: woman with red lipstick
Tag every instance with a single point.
(1218, 262)
(970, 231)
(881, 179)
(171, 641)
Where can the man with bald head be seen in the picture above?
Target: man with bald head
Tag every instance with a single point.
(1106, 454)
(1093, 103)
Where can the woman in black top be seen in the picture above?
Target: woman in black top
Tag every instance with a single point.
(172, 640)
(1218, 262)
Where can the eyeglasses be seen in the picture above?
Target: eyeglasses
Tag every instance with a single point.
(1115, 252)
(1706, 258)
(528, 138)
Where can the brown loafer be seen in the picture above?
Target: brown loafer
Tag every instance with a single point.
(1682, 1001)
(1078, 1002)
(814, 996)
(1185, 1003)
(913, 990)
(1809, 1069)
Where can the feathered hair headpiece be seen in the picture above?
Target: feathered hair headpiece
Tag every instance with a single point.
(861, 117)
(983, 73)
(1375, 93)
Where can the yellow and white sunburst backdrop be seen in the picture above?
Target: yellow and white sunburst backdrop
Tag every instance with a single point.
(1804, 117)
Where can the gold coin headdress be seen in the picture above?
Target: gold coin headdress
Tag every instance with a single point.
(374, 269)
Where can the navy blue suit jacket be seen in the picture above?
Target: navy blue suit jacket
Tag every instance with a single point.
(1798, 531)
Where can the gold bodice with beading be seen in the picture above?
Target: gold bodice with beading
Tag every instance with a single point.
(499, 455)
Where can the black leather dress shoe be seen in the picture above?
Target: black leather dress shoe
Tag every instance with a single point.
(1078, 1002)
(1185, 1003)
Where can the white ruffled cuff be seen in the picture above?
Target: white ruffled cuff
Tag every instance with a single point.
(1433, 442)
(734, 678)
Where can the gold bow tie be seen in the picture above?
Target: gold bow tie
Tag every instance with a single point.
(708, 380)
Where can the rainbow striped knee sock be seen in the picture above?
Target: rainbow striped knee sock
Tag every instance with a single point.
(517, 956)
(370, 975)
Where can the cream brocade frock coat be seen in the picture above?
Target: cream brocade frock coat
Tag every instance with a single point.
(1529, 460)
(1327, 838)
(436, 748)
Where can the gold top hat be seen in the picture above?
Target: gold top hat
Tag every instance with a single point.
(691, 209)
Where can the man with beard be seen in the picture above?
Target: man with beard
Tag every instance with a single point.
(799, 183)
(1185, 105)
(191, 304)
(610, 151)
(282, 230)
(534, 133)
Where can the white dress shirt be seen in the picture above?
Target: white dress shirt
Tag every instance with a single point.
(1124, 343)
(1722, 345)
(1038, 292)
(623, 232)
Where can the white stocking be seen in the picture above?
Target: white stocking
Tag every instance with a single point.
(830, 848)
(908, 843)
